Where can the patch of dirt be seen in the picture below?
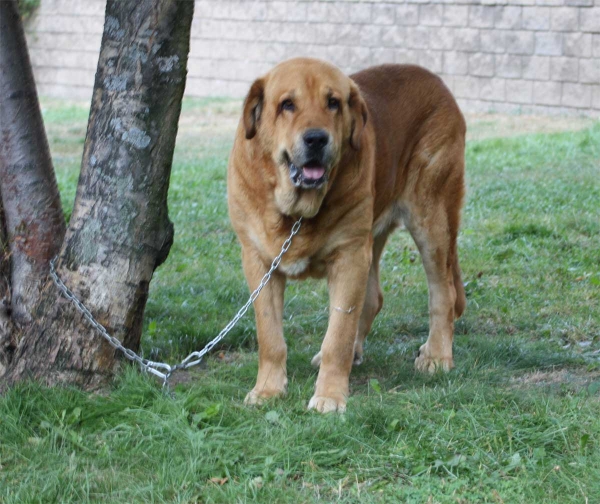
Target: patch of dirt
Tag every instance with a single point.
(481, 126)
(220, 117)
(196, 374)
(573, 379)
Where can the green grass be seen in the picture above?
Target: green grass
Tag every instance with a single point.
(518, 420)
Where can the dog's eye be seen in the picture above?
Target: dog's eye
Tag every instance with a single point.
(288, 105)
(333, 104)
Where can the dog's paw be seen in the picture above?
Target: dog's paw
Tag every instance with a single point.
(358, 359)
(316, 360)
(427, 363)
(324, 404)
(257, 397)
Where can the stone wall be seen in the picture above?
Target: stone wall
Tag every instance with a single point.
(530, 56)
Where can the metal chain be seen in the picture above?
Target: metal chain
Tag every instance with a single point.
(192, 359)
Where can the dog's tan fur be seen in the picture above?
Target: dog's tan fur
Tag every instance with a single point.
(398, 139)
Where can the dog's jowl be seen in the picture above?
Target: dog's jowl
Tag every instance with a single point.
(354, 157)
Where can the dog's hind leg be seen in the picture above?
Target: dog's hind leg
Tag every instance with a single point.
(461, 297)
(433, 218)
(373, 299)
(431, 236)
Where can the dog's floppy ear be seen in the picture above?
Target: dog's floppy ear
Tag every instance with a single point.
(358, 112)
(253, 107)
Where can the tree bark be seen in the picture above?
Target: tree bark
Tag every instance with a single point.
(119, 231)
(33, 217)
(7, 341)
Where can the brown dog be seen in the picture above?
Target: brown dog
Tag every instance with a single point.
(355, 157)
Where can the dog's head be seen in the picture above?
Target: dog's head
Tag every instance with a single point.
(302, 115)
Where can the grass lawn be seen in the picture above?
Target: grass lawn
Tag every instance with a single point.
(518, 420)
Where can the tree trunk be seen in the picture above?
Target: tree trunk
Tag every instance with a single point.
(7, 342)
(119, 231)
(33, 217)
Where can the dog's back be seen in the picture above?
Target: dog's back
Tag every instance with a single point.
(414, 115)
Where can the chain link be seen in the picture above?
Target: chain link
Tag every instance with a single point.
(192, 359)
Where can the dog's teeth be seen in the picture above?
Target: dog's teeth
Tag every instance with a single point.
(296, 175)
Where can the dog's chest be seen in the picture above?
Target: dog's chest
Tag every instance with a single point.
(295, 268)
(303, 267)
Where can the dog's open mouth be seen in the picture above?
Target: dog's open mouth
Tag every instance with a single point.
(309, 176)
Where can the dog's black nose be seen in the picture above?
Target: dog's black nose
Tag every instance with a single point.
(316, 138)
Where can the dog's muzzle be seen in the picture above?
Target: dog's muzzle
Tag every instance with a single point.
(309, 169)
(309, 176)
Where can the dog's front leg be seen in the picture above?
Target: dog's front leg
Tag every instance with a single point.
(268, 309)
(347, 281)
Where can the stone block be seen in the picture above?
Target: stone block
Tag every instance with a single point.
(519, 91)
(577, 44)
(580, 3)
(508, 17)
(202, 9)
(536, 18)
(338, 55)
(547, 93)
(407, 15)
(466, 86)
(564, 19)
(520, 42)
(286, 11)
(548, 43)
(589, 71)
(564, 69)
(492, 89)
(65, 41)
(381, 55)
(196, 86)
(509, 66)
(442, 38)
(369, 35)
(319, 12)
(336, 12)
(432, 60)
(327, 33)
(431, 14)
(481, 64)
(222, 10)
(550, 3)
(456, 15)
(493, 41)
(406, 56)
(347, 34)
(576, 95)
(536, 67)
(467, 39)
(360, 12)
(481, 16)
(456, 63)
(303, 33)
(590, 20)
(596, 97)
(521, 2)
(384, 14)
(394, 36)
(359, 57)
(417, 37)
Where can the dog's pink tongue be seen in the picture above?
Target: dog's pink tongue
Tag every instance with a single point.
(313, 173)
